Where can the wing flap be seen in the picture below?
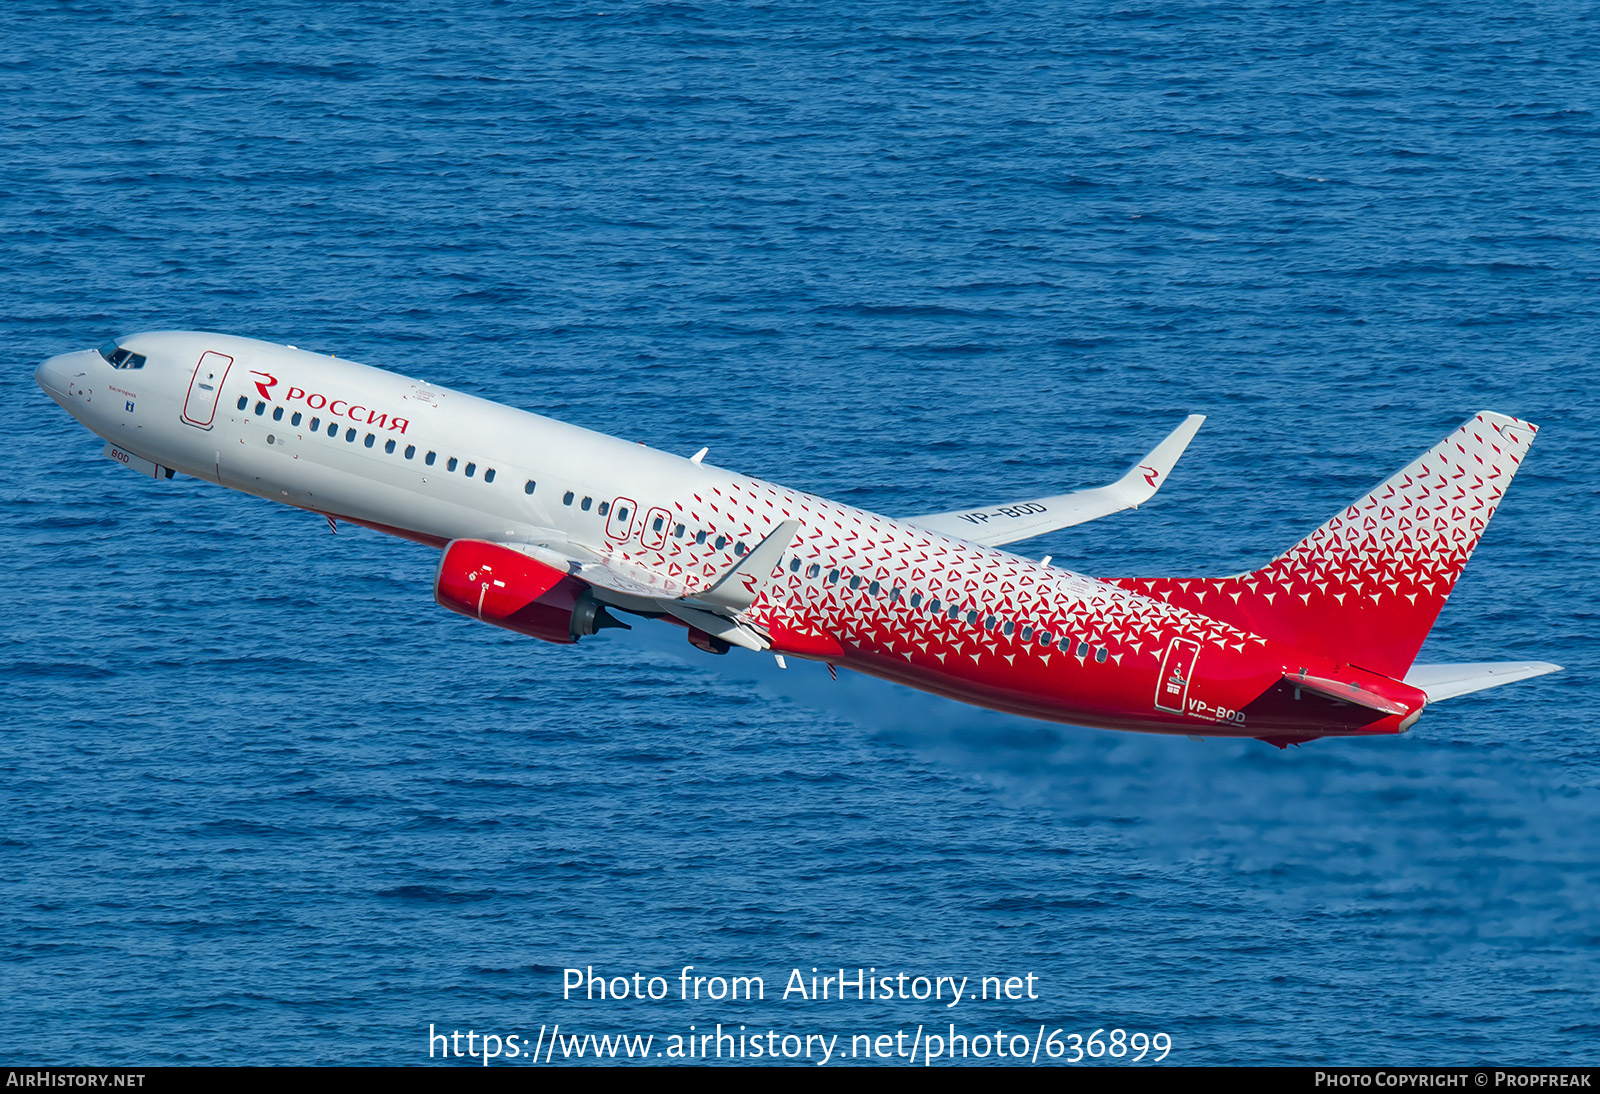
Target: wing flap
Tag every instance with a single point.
(1001, 524)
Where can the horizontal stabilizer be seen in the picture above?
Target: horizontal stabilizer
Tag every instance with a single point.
(1448, 681)
(999, 524)
(1344, 691)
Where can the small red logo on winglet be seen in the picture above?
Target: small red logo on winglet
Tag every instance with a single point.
(1150, 473)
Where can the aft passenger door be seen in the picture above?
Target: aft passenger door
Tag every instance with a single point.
(1177, 669)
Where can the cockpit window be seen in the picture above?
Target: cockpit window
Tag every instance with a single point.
(121, 358)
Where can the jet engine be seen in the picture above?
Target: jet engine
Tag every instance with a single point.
(498, 585)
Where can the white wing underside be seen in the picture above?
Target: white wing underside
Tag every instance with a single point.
(1000, 524)
(713, 608)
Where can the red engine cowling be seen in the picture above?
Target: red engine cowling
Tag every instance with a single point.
(498, 585)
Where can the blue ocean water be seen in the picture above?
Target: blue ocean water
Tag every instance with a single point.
(262, 801)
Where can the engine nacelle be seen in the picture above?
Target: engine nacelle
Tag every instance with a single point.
(498, 585)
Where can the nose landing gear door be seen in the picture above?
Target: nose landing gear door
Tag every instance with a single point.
(205, 387)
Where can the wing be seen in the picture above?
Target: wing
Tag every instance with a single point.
(714, 608)
(998, 524)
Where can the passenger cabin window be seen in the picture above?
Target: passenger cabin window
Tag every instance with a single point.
(388, 446)
(429, 458)
(566, 499)
(527, 487)
(261, 408)
(488, 474)
(450, 464)
(622, 513)
(315, 424)
(370, 438)
(1101, 654)
(739, 548)
(277, 413)
(700, 536)
(585, 503)
(411, 450)
(470, 470)
(722, 541)
(295, 419)
(349, 435)
(244, 401)
(661, 522)
(605, 507)
(678, 531)
(333, 429)
(794, 565)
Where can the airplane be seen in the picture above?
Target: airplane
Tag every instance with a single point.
(552, 531)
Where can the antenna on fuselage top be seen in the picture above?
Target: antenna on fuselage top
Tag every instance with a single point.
(698, 456)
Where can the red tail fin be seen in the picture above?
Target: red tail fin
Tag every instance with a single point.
(1366, 587)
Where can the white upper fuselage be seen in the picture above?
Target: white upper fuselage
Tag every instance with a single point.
(361, 444)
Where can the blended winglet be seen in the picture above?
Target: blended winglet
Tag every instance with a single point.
(740, 586)
(1001, 524)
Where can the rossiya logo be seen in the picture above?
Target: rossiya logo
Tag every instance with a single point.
(271, 382)
(342, 408)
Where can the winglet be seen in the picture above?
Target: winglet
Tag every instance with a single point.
(1024, 520)
(740, 586)
(1149, 474)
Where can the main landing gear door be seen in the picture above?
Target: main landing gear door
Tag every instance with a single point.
(200, 408)
(1177, 669)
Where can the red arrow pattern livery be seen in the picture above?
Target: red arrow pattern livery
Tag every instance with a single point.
(543, 535)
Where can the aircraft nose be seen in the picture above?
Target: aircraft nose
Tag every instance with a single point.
(52, 376)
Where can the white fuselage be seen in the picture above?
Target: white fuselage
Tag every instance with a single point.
(360, 444)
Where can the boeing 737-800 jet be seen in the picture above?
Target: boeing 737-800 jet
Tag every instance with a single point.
(548, 529)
